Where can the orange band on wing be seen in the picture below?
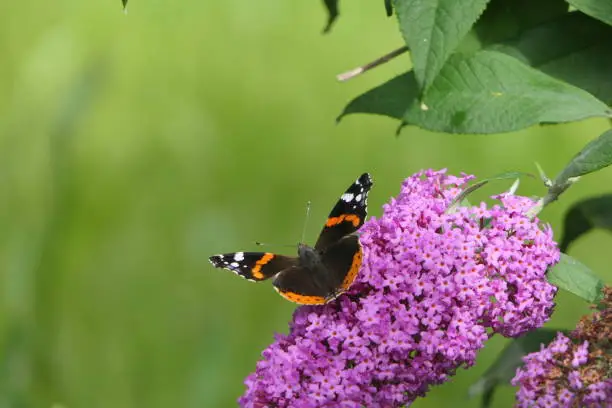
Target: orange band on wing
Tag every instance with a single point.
(256, 271)
(344, 217)
(352, 273)
(301, 299)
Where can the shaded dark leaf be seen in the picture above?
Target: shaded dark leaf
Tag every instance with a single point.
(433, 29)
(599, 9)
(511, 358)
(584, 216)
(596, 155)
(576, 278)
(332, 13)
(124, 2)
(574, 48)
(389, 99)
(505, 20)
(388, 8)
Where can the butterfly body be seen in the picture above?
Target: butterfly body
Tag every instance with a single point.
(318, 274)
(310, 259)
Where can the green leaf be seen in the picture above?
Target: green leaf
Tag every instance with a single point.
(389, 99)
(511, 358)
(388, 8)
(433, 29)
(488, 92)
(574, 48)
(124, 2)
(506, 19)
(585, 215)
(576, 278)
(540, 11)
(596, 155)
(462, 197)
(599, 9)
(332, 13)
(571, 47)
(509, 175)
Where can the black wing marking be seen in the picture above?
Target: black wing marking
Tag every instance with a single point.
(254, 266)
(348, 214)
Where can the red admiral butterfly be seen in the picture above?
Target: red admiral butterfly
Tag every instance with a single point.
(318, 274)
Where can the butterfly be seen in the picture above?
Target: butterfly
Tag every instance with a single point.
(318, 274)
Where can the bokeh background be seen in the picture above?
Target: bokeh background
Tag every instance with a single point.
(134, 146)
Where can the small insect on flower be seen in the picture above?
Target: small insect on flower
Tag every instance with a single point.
(318, 274)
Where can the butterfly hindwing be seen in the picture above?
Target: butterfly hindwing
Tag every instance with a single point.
(338, 268)
(297, 285)
(254, 266)
(348, 214)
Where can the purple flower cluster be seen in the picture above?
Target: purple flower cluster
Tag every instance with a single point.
(434, 285)
(574, 370)
(559, 375)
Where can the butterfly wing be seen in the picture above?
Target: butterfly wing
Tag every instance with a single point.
(341, 263)
(348, 214)
(343, 260)
(253, 266)
(297, 285)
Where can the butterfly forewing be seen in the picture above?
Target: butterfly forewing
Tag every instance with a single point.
(348, 214)
(254, 266)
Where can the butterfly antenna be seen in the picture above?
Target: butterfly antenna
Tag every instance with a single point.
(306, 221)
(258, 243)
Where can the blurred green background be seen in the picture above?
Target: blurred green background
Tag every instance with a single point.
(134, 146)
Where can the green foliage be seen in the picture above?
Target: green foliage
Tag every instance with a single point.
(596, 155)
(332, 13)
(585, 215)
(486, 92)
(432, 30)
(600, 9)
(507, 19)
(570, 47)
(497, 66)
(389, 7)
(575, 277)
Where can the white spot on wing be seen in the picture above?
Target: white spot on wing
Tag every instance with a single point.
(234, 264)
(239, 256)
(359, 197)
(347, 197)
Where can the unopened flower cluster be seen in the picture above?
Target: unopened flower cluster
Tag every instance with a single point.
(435, 283)
(574, 370)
